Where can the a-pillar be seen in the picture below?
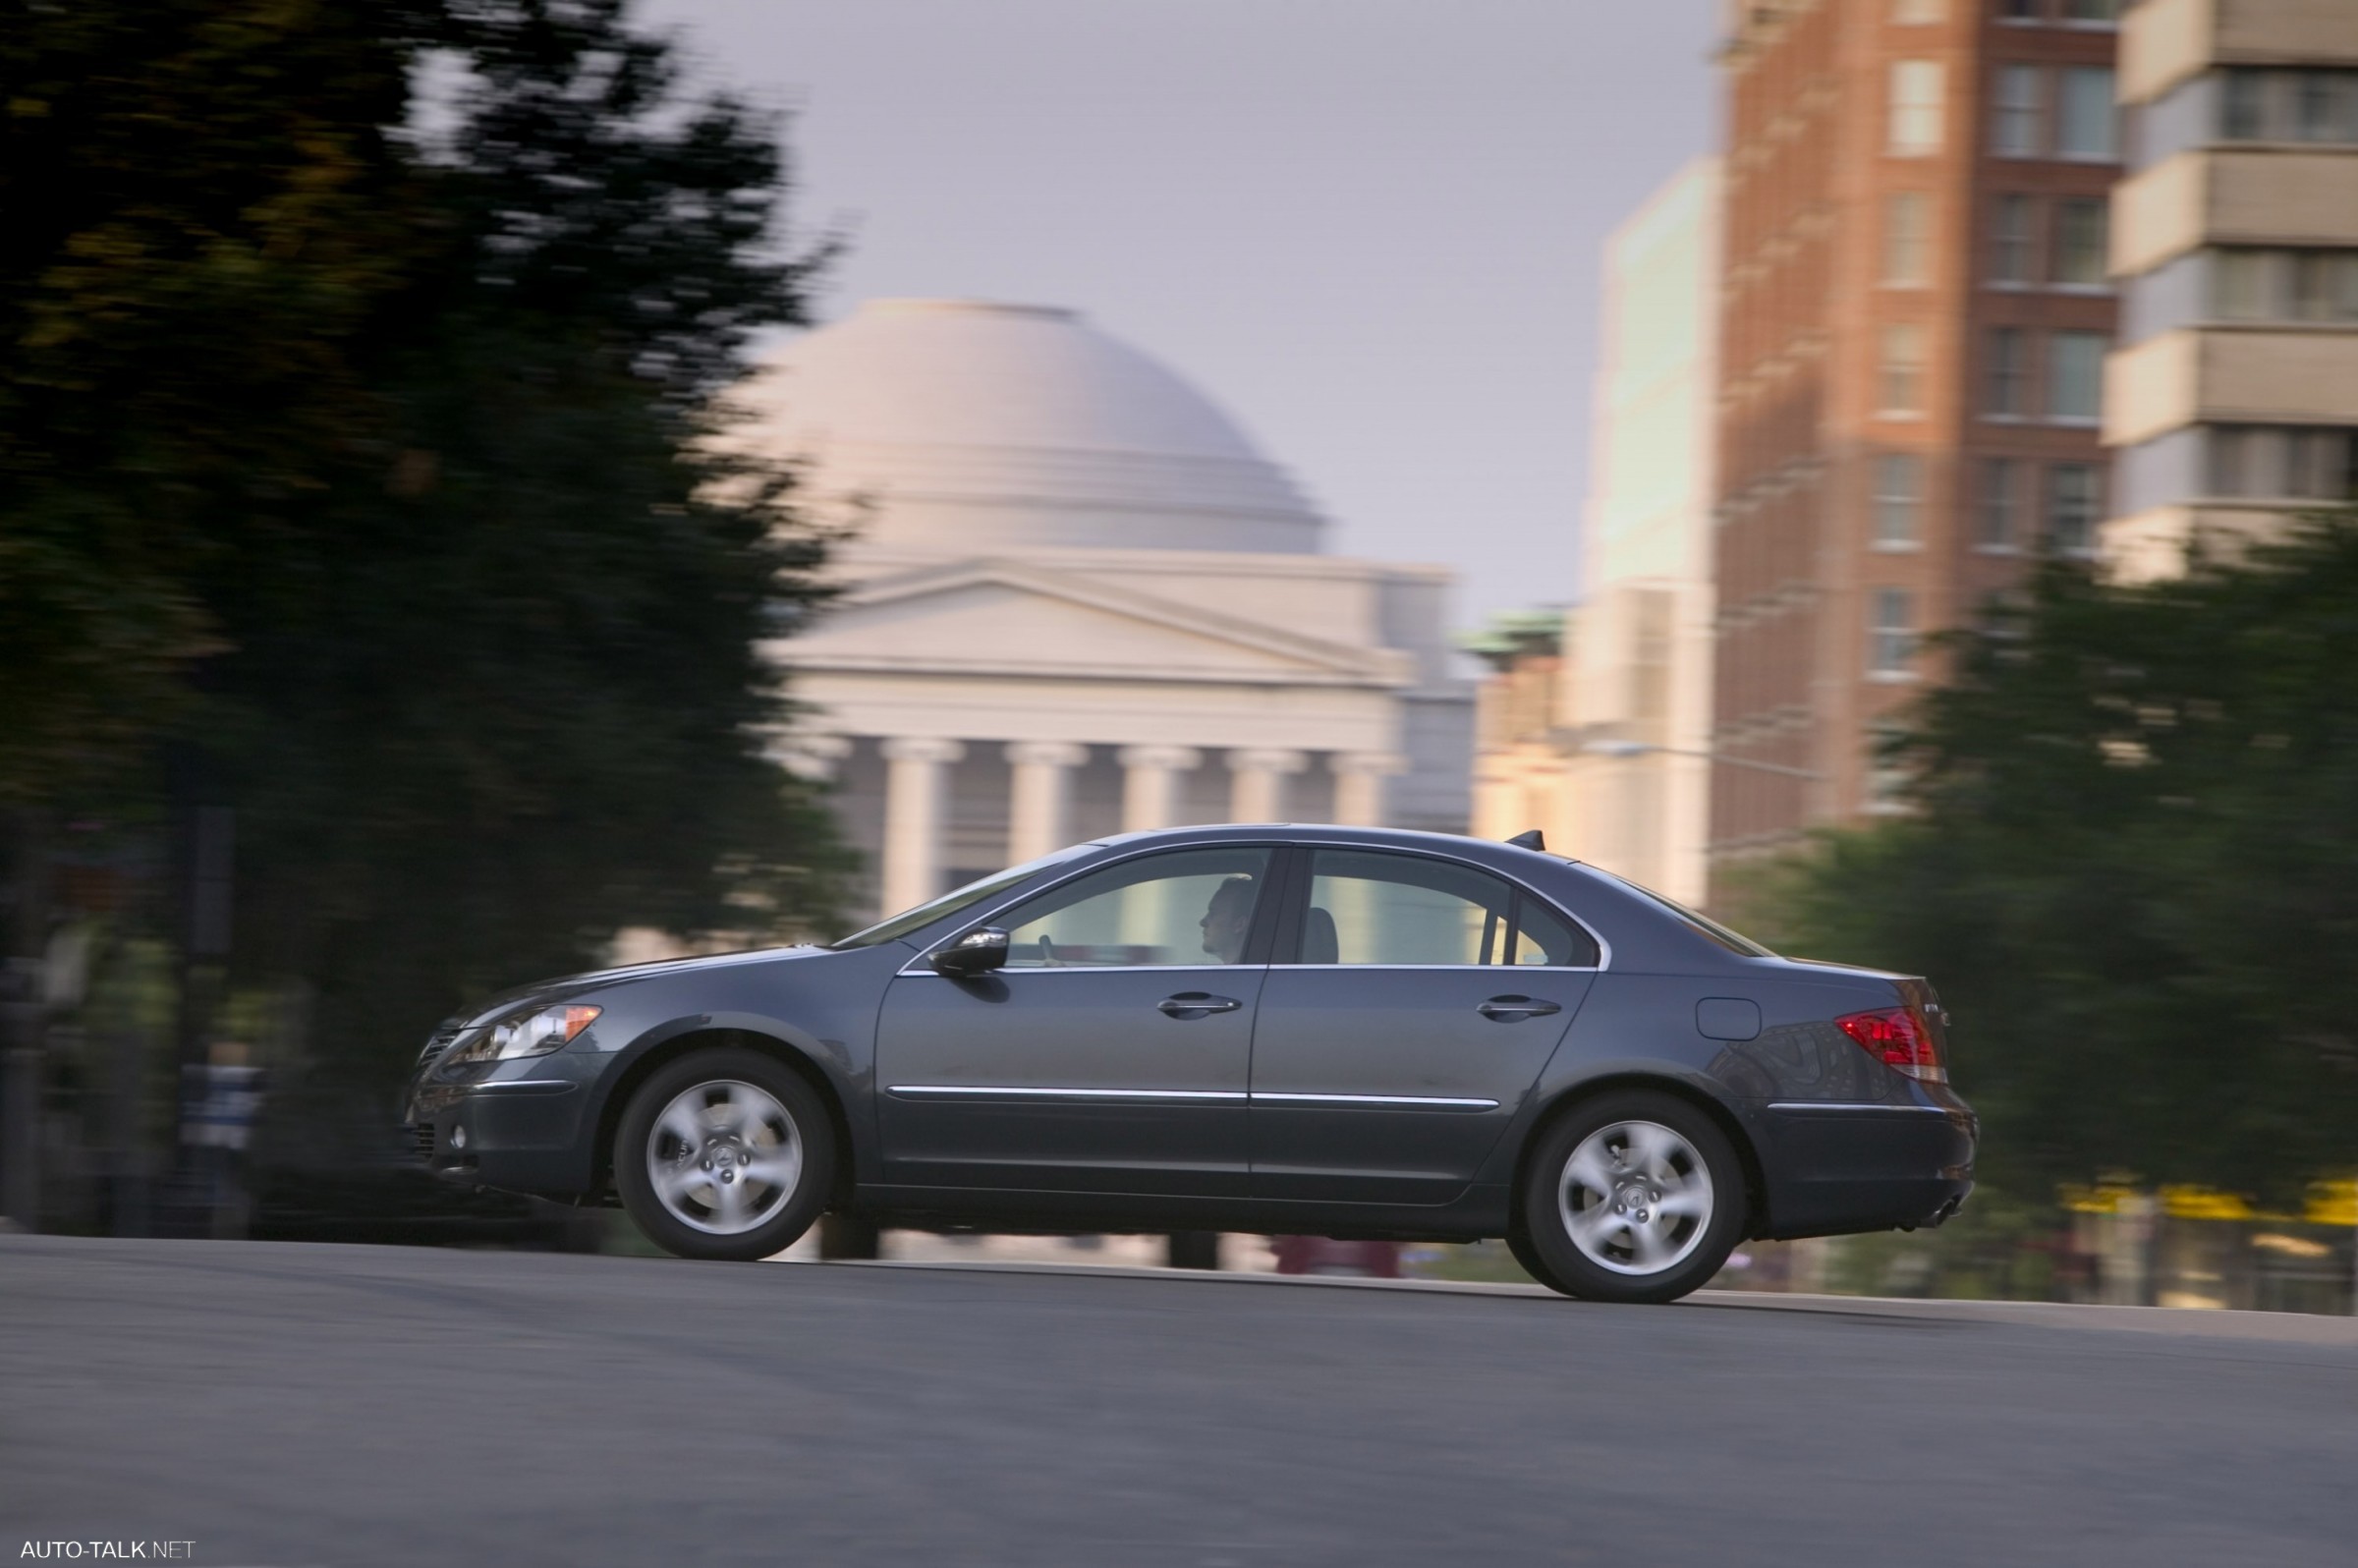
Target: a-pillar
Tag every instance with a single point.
(1039, 796)
(1151, 784)
(916, 801)
(1358, 785)
(1256, 784)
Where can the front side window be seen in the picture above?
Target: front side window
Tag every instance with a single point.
(1185, 907)
(2243, 105)
(1367, 907)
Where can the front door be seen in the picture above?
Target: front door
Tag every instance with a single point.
(1113, 1052)
(1426, 998)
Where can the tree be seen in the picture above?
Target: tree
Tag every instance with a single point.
(2132, 870)
(423, 543)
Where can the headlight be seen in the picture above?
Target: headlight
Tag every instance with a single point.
(525, 1035)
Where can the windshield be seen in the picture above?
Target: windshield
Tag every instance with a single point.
(950, 903)
(1702, 924)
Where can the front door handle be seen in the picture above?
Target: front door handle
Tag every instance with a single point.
(1506, 1009)
(1196, 1004)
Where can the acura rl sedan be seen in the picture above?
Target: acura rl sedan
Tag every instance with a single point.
(1317, 1031)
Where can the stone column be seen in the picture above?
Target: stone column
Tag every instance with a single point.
(916, 804)
(1358, 785)
(1256, 784)
(1039, 796)
(1151, 784)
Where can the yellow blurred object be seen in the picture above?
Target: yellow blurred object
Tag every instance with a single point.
(2206, 1202)
(2334, 1202)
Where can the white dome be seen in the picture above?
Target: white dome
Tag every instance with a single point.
(971, 426)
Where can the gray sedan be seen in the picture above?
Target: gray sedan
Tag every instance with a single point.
(1324, 1030)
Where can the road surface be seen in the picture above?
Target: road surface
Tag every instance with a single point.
(292, 1405)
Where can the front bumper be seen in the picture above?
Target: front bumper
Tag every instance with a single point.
(526, 1127)
(1834, 1169)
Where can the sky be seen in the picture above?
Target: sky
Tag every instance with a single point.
(1368, 229)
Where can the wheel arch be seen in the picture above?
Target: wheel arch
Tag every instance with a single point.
(1571, 1097)
(709, 1035)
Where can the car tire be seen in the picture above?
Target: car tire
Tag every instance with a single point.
(725, 1154)
(1518, 1243)
(1633, 1197)
(1192, 1249)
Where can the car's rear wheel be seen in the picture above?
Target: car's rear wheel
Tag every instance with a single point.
(1633, 1197)
(724, 1154)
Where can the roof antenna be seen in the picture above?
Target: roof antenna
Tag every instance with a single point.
(1530, 840)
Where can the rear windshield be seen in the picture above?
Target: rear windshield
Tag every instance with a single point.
(1701, 925)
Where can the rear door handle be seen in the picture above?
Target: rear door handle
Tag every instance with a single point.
(1195, 1004)
(1506, 1009)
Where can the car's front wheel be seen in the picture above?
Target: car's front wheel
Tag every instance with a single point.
(1633, 1197)
(724, 1154)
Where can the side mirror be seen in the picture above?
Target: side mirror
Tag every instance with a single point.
(979, 951)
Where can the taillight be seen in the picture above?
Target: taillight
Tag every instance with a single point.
(1899, 1039)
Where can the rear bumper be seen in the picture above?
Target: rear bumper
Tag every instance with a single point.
(1833, 1169)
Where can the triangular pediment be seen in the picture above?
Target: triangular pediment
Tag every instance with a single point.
(1004, 617)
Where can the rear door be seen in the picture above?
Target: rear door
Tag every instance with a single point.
(1422, 998)
(1112, 1054)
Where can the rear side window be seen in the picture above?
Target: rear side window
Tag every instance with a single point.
(1701, 925)
(1367, 907)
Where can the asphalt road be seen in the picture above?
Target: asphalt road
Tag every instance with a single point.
(293, 1405)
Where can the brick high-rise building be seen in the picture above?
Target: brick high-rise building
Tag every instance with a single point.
(1914, 319)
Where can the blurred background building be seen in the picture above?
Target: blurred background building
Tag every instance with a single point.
(1596, 726)
(1914, 319)
(1078, 600)
(2232, 402)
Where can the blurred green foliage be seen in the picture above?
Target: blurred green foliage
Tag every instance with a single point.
(360, 368)
(2131, 868)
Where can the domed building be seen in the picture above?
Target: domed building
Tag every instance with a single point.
(1078, 600)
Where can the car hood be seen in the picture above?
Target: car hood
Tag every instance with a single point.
(557, 988)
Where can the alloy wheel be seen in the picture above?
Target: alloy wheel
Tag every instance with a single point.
(1635, 1198)
(722, 1156)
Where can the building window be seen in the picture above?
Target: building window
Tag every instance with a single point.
(2020, 10)
(2010, 240)
(2243, 284)
(1915, 125)
(2015, 114)
(2079, 232)
(2268, 463)
(2071, 507)
(2009, 374)
(1907, 239)
(2259, 105)
(2075, 375)
(2243, 106)
(1898, 501)
(1891, 633)
(1997, 508)
(2090, 10)
(1899, 384)
(2085, 120)
(2325, 285)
